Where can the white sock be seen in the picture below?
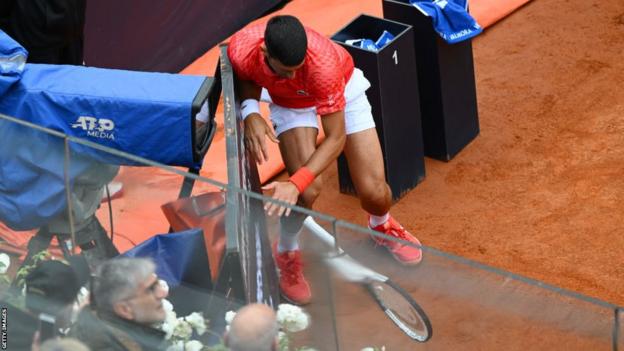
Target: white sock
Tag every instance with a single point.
(288, 241)
(378, 220)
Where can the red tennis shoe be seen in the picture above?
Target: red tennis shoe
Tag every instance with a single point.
(293, 284)
(406, 254)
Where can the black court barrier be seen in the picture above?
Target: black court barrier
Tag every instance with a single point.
(618, 340)
(448, 98)
(393, 96)
(248, 271)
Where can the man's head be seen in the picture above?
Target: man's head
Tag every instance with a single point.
(51, 287)
(254, 328)
(129, 288)
(285, 45)
(64, 344)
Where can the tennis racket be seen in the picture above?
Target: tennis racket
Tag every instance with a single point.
(396, 303)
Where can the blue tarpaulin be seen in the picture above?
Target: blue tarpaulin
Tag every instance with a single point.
(12, 62)
(32, 178)
(180, 257)
(141, 113)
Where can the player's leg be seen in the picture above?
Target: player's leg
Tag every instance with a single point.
(365, 160)
(296, 147)
(297, 131)
(366, 167)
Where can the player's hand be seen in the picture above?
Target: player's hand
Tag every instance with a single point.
(256, 129)
(284, 191)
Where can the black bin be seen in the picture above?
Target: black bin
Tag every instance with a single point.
(448, 97)
(394, 98)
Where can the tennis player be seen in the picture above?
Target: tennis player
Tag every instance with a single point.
(302, 74)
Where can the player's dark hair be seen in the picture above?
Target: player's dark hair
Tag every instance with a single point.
(286, 40)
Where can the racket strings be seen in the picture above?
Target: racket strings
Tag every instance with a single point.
(400, 309)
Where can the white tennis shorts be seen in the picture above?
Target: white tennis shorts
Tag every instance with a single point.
(358, 115)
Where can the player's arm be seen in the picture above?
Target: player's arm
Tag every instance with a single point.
(323, 156)
(256, 128)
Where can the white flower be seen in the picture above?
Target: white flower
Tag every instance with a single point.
(83, 297)
(283, 341)
(292, 318)
(183, 329)
(229, 316)
(167, 305)
(368, 349)
(280, 335)
(193, 345)
(170, 316)
(197, 321)
(168, 327)
(5, 262)
(164, 285)
(177, 346)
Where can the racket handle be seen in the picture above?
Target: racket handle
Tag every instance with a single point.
(345, 265)
(320, 232)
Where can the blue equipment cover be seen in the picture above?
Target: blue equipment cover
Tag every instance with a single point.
(151, 115)
(142, 113)
(180, 257)
(32, 185)
(32, 177)
(12, 61)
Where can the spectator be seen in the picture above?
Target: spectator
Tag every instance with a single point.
(5, 13)
(51, 30)
(126, 301)
(254, 328)
(51, 288)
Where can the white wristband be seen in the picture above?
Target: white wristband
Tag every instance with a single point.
(248, 107)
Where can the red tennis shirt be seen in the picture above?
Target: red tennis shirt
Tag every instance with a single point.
(319, 83)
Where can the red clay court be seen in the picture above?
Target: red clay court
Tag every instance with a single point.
(539, 193)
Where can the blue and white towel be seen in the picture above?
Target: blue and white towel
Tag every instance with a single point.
(368, 44)
(450, 18)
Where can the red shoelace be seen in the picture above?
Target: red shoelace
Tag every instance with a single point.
(293, 268)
